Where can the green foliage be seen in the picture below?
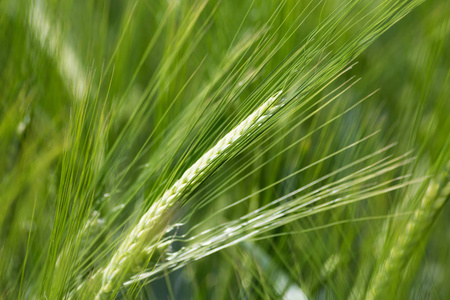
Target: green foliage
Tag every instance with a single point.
(224, 149)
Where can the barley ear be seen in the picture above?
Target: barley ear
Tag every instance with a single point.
(385, 278)
(147, 227)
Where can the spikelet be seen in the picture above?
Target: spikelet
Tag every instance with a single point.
(436, 195)
(145, 228)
